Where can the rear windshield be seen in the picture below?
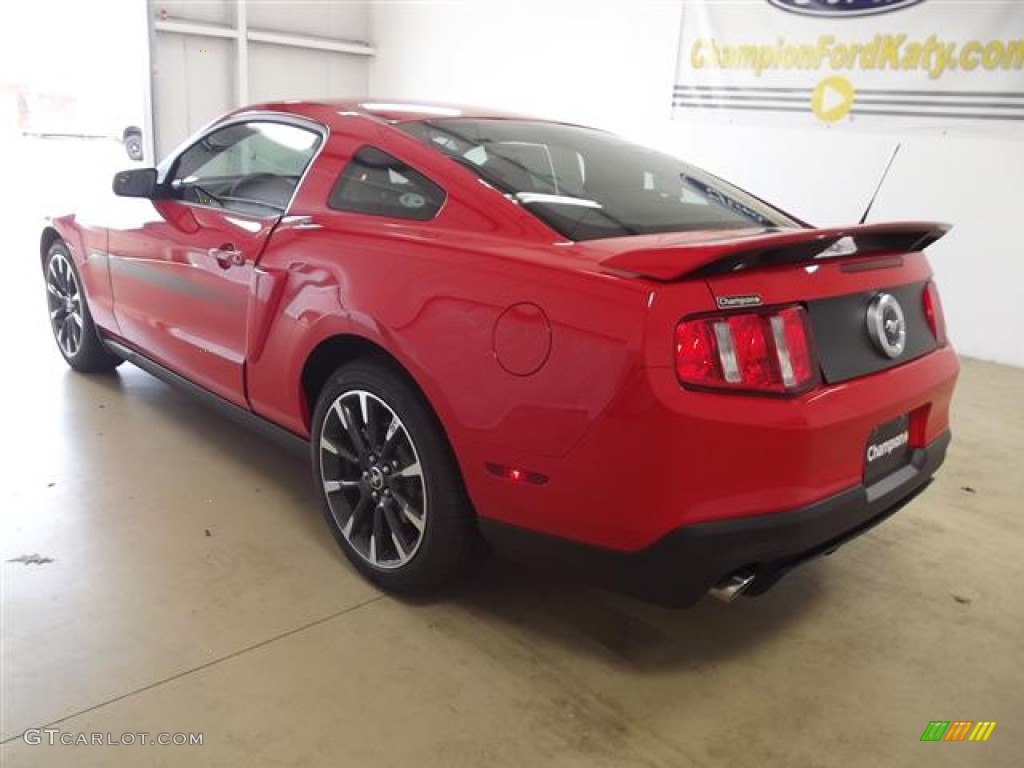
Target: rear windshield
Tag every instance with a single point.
(588, 184)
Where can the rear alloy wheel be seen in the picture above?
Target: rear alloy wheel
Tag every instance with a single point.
(373, 479)
(70, 320)
(391, 492)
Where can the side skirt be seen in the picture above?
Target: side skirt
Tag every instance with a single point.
(279, 435)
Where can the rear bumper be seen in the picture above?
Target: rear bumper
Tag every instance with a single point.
(680, 567)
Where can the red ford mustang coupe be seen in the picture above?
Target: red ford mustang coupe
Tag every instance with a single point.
(488, 328)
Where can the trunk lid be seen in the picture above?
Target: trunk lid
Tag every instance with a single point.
(836, 274)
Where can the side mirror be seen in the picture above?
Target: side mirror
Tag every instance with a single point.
(139, 182)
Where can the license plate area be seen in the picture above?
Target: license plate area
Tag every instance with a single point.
(887, 449)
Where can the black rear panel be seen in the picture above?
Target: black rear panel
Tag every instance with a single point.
(844, 346)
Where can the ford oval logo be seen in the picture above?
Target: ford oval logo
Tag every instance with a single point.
(840, 8)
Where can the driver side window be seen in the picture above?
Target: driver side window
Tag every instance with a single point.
(250, 168)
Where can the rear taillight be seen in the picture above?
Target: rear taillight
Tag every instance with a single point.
(933, 313)
(754, 352)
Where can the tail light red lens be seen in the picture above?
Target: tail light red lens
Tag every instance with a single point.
(933, 313)
(766, 352)
(696, 356)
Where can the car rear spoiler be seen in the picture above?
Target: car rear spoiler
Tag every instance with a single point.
(705, 258)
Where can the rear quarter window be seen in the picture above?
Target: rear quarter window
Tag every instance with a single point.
(380, 184)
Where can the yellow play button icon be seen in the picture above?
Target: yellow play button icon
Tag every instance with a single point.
(832, 99)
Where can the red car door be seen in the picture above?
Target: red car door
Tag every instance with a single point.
(181, 273)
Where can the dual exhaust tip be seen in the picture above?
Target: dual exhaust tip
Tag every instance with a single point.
(732, 586)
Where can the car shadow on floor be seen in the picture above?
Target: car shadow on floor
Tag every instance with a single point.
(543, 608)
(623, 632)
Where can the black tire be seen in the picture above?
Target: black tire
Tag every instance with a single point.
(133, 146)
(131, 137)
(70, 319)
(368, 485)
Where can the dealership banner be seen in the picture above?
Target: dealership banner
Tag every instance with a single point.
(870, 64)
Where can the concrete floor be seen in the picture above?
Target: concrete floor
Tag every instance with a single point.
(194, 588)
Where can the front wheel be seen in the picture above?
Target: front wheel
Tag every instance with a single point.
(388, 483)
(70, 320)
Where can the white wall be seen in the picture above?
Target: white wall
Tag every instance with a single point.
(80, 68)
(197, 77)
(612, 64)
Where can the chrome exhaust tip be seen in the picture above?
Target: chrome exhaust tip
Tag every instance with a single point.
(732, 586)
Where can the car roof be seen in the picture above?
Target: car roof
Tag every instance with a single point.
(386, 110)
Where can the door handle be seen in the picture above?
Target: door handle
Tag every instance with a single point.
(227, 255)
